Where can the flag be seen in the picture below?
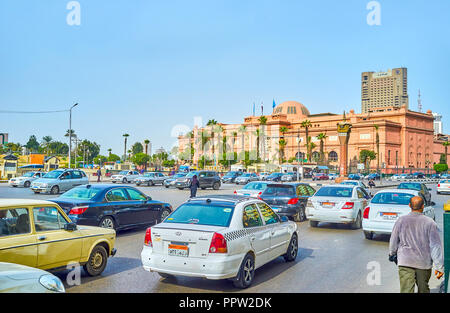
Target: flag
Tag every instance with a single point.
(262, 108)
(253, 108)
(273, 105)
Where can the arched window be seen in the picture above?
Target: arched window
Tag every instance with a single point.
(299, 155)
(333, 156)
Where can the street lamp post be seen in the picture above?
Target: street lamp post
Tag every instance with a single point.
(70, 134)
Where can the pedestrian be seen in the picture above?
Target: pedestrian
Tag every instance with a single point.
(99, 173)
(194, 186)
(415, 245)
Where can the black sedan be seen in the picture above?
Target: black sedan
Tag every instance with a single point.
(288, 199)
(112, 206)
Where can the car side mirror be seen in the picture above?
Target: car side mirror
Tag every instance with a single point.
(433, 203)
(284, 219)
(70, 226)
(429, 189)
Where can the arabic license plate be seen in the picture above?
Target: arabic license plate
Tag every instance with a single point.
(389, 216)
(327, 204)
(178, 250)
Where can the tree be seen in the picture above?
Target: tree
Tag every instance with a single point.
(140, 159)
(88, 149)
(212, 124)
(306, 124)
(243, 131)
(377, 143)
(322, 137)
(137, 148)
(32, 144)
(282, 143)
(262, 122)
(109, 151)
(365, 156)
(446, 144)
(113, 157)
(146, 142)
(46, 140)
(125, 136)
(100, 159)
(439, 168)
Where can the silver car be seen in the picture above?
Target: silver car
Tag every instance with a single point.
(151, 179)
(170, 181)
(246, 178)
(26, 179)
(59, 180)
(16, 278)
(125, 177)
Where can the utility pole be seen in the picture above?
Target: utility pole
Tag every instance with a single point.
(70, 134)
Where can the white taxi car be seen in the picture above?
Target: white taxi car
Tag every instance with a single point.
(219, 237)
(26, 179)
(443, 186)
(337, 204)
(125, 177)
(386, 207)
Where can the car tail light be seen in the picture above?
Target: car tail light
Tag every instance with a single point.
(293, 201)
(366, 212)
(78, 210)
(148, 237)
(218, 244)
(348, 206)
(439, 185)
(235, 192)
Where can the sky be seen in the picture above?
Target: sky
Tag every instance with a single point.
(148, 68)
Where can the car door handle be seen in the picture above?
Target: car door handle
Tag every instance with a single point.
(42, 238)
(252, 238)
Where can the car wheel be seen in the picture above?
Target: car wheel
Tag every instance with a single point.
(165, 213)
(292, 251)
(107, 222)
(54, 190)
(164, 275)
(216, 186)
(203, 188)
(37, 192)
(124, 180)
(167, 186)
(27, 184)
(313, 223)
(180, 188)
(138, 184)
(368, 235)
(97, 261)
(300, 216)
(357, 224)
(246, 273)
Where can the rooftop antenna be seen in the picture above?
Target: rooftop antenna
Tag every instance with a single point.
(419, 103)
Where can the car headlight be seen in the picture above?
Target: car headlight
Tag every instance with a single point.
(44, 185)
(52, 283)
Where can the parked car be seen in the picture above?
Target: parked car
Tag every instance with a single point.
(320, 176)
(443, 186)
(246, 178)
(435, 176)
(206, 179)
(386, 207)
(59, 180)
(263, 175)
(219, 237)
(26, 179)
(289, 177)
(151, 179)
(288, 199)
(170, 182)
(421, 187)
(125, 177)
(333, 176)
(230, 177)
(111, 206)
(275, 177)
(374, 176)
(354, 177)
(337, 204)
(16, 278)
(252, 189)
(355, 183)
(39, 234)
(418, 175)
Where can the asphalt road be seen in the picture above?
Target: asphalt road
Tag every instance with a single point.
(332, 258)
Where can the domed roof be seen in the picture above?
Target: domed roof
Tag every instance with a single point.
(293, 109)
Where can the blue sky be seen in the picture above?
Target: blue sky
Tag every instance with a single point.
(142, 66)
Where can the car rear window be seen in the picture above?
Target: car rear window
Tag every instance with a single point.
(392, 198)
(202, 214)
(279, 191)
(255, 186)
(444, 182)
(413, 186)
(82, 193)
(342, 192)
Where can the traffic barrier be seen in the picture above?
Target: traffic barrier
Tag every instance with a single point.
(446, 244)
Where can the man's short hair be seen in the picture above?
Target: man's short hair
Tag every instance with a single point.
(416, 203)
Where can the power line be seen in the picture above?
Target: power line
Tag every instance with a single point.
(32, 112)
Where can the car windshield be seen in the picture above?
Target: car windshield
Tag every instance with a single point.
(123, 173)
(353, 183)
(275, 175)
(149, 174)
(202, 214)
(53, 174)
(231, 174)
(392, 198)
(29, 174)
(246, 175)
(342, 192)
(82, 193)
(191, 174)
(279, 191)
(255, 186)
(414, 186)
(445, 181)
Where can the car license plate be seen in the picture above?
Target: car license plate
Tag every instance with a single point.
(389, 216)
(327, 204)
(276, 209)
(178, 250)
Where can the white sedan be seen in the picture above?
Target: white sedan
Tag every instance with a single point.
(219, 237)
(26, 179)
(341, 204)
(443, 186)
(125, 177)
(386, 207)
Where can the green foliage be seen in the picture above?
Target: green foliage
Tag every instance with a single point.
(439, 168)
(140, 158)
(137, 148)
(100, 159)
(92, 149)
(169, 163)
(32, 144)
(113, 157)
(365, 156)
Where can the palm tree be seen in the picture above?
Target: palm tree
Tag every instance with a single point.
(46, 142)
(322, 137)
(283, 130)
(243, 131)
(446, 144)
(212, 124)
(377, 143)
(282, 144)
(262, 122)
(109, 151)
(306, 124)
(125, 147)
(310, 146)
(146, 142)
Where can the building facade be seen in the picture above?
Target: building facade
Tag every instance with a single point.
(438, 129)
(384, 89)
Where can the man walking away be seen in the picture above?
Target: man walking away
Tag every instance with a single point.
(99, 173)
(194, 185)
(416, 243)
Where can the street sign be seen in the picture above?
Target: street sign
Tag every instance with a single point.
(360, 166)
